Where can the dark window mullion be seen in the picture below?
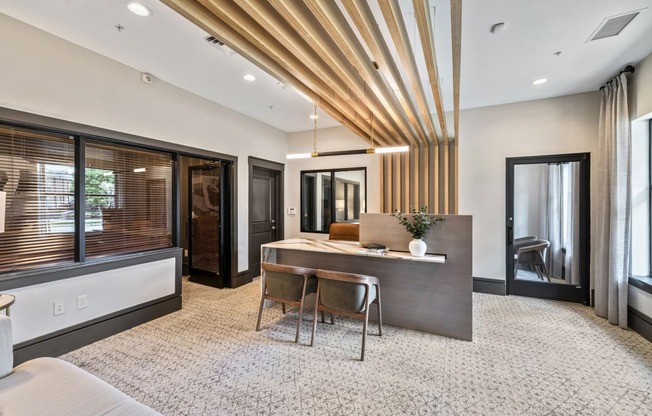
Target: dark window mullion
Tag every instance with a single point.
(649, 188)
(80, 199)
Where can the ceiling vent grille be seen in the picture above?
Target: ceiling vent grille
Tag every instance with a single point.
(612, 26)
(215, 42)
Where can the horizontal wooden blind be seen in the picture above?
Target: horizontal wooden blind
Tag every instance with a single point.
(37, 173)
(128, 196)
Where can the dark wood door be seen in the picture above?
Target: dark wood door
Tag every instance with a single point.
(264, 220)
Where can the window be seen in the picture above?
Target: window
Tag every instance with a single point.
(37, 174)
(641, 197)
(128, 194)
(332, 196)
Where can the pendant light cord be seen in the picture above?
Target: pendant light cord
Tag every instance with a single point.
(314, 137)
(372, 131)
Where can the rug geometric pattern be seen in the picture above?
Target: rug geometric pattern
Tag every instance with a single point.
(528, 357)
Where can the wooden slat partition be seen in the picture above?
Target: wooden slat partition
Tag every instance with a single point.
(427, 176)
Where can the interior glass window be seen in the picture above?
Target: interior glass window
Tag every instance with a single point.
(332, 196)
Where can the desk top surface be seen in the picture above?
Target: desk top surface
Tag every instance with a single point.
(350, 248)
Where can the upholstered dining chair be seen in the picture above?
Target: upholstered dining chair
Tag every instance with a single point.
(286, 285)
(347, 294)
(532, 253)
(344, 231)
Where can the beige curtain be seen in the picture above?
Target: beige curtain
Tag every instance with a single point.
(611, 222)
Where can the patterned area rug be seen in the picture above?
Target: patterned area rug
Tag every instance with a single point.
(528, 357)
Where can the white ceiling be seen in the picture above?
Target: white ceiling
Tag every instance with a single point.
(496, 69)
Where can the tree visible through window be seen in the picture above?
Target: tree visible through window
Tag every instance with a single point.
(100, 195)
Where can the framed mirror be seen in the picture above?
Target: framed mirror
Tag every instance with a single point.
(334, 195)
(547, 226)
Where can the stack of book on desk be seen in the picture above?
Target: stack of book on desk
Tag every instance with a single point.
(374, 248)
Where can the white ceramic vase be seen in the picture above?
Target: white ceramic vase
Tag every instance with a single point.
(417, 247)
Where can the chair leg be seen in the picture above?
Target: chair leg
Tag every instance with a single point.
(332, 319)
(314, 320)
(545, 271)
(283, 308)
(380, 312)
(300, 318)
(260, 312)
(364, 332)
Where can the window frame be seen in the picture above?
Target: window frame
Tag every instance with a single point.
(44, 124)
(333, 190)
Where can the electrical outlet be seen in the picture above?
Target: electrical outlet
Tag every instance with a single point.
(82, 301)
(58, 307)
(185, 253)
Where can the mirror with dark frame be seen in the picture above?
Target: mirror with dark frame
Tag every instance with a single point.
(547, 226)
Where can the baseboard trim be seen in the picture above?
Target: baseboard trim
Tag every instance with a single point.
(639, 323)
(61, 343)
(489, 286)
(241, 279)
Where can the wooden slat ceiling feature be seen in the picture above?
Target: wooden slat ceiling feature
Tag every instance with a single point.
(394, 20)
(456, 32)
(456, 35)
(336, 25)
(424, 25)
(203, 18)
(312, 46)
(300, 18)
(364, 20)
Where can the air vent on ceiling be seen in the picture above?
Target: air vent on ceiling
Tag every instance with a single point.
(613, 25)
(219, 44)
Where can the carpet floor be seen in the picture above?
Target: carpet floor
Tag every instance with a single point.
(528, 357)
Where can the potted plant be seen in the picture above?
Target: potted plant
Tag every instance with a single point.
(418, 227)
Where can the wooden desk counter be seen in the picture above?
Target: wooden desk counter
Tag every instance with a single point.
(431, 294)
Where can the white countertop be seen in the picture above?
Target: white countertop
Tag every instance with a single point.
(348, 247)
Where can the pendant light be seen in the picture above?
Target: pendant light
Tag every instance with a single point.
(371, 150)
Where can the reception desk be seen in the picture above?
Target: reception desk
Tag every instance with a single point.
(431, 294)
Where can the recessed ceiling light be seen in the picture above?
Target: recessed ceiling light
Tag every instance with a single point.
(139, 9)
(539, 81)
(314, 116)
(249, 77)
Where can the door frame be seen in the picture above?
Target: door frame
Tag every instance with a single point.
(541, 289)
(224, 247)
(279, 171)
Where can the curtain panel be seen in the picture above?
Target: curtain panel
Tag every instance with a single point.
(611, 222)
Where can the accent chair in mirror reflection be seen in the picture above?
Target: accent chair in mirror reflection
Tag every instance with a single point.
(347, 294)
(287, 285)
(532, 253)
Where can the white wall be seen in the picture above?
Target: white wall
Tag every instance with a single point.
(489, 135)
(43, 74)
(530, 189)
(330, 139)
(641, 89)
(107, 292)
